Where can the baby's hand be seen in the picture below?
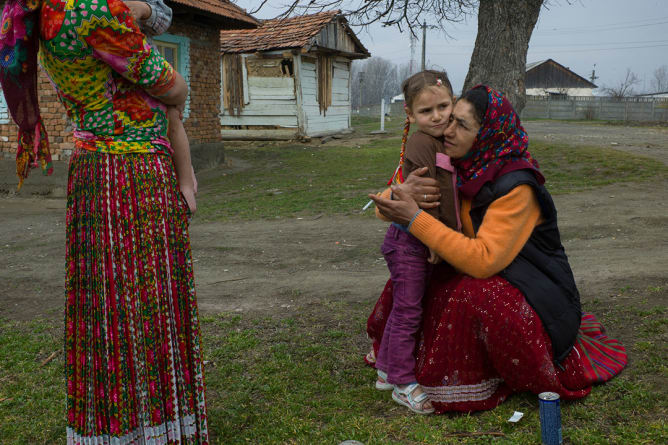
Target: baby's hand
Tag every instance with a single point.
(434, 258)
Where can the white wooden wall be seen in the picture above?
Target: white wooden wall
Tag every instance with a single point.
(269, 101)
(338, 114)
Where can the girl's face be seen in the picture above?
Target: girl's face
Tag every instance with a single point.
(431, 110)
(461, 130)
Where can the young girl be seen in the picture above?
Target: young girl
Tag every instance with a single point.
(428, 103)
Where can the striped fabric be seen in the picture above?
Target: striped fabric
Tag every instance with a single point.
(132, 339)
(603, 357)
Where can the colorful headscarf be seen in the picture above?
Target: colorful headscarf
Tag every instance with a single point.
(19, 44)
(499, 148)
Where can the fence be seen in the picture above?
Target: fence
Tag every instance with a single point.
(647, 109)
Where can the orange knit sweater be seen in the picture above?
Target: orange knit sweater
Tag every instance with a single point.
(506, 227)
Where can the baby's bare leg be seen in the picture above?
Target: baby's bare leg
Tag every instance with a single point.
(184, 171)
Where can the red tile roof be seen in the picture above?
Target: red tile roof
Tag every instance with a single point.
(222, 8)
(293, 32)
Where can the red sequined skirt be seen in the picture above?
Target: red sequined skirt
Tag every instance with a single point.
(481, 341)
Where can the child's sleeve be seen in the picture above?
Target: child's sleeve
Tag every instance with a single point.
(421, 152)
(160, 19)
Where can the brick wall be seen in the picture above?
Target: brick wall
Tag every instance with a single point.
(202, 124)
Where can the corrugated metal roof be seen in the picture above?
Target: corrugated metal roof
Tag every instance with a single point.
(535, 64)
(293, 32)
(221, 8)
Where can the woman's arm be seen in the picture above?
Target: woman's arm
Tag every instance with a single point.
(127, 52)
(506, 227)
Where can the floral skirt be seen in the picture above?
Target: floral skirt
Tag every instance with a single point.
(481, 341)
(132, 340)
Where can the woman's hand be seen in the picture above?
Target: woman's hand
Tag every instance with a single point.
(139, 10)
(401, 209)
(424, 191)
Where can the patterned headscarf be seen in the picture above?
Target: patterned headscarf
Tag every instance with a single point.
(19, 44)
(499, 148)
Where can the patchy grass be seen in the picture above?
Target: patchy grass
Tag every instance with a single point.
(297, 377)
(293, 179)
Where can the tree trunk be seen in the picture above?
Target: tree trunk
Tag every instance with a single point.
(500, 54)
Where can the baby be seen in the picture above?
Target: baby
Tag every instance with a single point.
(154, 18)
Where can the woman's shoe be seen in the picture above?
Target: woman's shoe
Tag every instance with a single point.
(416, 404)
(381, 382)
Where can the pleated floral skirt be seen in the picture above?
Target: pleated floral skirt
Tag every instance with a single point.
(481, 341)
(132, 341)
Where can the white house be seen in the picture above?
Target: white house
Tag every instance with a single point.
(549, 78)
(288, 77)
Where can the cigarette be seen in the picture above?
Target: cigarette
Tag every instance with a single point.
(367, 205)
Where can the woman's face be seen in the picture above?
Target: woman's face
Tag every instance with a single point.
(461, 130)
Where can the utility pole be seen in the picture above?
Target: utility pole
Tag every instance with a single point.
(424, 42)
(593, 74)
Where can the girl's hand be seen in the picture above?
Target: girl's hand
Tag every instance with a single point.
(424, 191)
(400, 210)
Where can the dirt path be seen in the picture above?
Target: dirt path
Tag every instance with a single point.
(615, 237)
(645, 141)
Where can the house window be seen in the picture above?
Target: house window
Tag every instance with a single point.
(4, 110)
(170, 51)
(176, 50)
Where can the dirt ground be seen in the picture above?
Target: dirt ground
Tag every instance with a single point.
(614, 236)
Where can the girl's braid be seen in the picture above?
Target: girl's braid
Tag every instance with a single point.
(398, 173)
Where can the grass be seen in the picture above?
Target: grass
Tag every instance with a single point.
(298, 378)
(295, 179)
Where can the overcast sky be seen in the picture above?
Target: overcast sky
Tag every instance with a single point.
(613, 34)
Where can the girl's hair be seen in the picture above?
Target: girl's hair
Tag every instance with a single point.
(478, 98)
(419, 81)
(411, 88)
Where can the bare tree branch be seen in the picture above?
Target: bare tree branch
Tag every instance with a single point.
(407, 14)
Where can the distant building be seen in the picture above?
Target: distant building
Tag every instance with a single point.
(288, 77)
(549, 78)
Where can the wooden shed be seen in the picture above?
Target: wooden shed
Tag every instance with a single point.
(549, 78)
(288, 78)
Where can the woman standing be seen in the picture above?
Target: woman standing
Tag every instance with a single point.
(507, 318)
(132, 340)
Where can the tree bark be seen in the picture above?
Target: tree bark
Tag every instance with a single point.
(500, 54)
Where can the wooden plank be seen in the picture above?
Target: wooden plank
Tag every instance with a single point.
(244, 74)
(256, 109)
(271, 82)
(272, 97)
(259, 134)
(299, 77)
(282, 121)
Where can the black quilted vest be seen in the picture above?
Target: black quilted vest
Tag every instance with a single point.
(541, 270)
